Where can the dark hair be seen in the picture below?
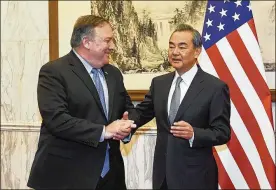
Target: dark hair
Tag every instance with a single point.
(197, 40)
(84, 26)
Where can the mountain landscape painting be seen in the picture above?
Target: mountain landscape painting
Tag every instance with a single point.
(142, 30)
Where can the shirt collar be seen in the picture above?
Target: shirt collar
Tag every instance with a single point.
(188, 76)
(87, 66)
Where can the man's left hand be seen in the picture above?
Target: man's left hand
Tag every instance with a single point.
(182, 129)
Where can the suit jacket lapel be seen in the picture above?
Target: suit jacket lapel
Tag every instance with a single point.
(195, 88)
(111, 83)
(81, 72)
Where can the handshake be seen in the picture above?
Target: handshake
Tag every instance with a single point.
(119, 129)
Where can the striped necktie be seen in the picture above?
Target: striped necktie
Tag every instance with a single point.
(100, 90)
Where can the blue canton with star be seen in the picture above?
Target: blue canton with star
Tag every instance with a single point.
(222, 17)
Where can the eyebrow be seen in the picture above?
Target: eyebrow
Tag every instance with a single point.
(180, 44)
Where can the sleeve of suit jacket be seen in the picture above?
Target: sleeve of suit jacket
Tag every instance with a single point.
(53, 106)
(218, 130)
(144, 111)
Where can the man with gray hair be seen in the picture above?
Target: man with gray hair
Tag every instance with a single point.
(80, 98)
(192, 110)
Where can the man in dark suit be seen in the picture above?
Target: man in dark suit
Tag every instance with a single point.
(192, 110)
(80, 98)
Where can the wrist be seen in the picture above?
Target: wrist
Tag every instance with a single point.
(107, 134)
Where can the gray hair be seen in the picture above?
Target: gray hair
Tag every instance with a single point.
(84, 26)
(197, 40)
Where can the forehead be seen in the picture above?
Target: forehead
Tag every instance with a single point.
(104, 30)
(184, 36)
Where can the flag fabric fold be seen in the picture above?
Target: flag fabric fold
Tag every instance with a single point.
(231, 52)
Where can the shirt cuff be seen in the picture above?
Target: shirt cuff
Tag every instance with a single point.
(191, 140)
(127, 139)
(102, 136)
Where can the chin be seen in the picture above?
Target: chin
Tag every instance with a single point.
(177, 65)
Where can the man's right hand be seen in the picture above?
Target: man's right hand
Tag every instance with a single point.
(119, 128)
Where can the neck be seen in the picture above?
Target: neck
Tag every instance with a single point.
(85, 56)
(184, 70)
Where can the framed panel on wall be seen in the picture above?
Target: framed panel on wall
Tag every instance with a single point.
(142, 33)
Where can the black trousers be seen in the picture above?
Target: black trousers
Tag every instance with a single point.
(164, 185)
(112, 180)
(107, 182)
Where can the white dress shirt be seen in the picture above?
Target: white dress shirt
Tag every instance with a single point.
(187, 79)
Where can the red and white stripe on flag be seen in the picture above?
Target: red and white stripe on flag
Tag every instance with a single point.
(231, 52)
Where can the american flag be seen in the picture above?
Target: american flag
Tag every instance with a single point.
(232, 53)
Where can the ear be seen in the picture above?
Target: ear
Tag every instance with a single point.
(197, 52)
(85, 42)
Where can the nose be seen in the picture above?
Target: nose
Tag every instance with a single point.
(175, 51)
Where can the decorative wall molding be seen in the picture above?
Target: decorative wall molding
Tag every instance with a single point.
(15, 128)
(146, 130)
(139, 95)
(273, 95)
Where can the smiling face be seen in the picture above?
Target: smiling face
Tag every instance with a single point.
(182, 53)
(100, 45)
